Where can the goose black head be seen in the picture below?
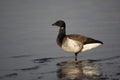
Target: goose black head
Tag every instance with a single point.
(59, 23)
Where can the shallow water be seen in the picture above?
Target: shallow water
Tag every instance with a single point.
(28, 49)
(50, 68)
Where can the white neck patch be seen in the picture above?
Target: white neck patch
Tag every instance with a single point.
(62, 27)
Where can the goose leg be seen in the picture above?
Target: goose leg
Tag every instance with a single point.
(76, 56)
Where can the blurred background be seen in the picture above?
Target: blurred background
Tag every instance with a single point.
(26, 35)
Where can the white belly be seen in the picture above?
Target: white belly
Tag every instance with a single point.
(71, 46)
(90, 46)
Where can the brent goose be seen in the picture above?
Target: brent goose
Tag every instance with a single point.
(74, 42)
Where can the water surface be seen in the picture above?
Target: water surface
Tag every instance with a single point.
(28, 49)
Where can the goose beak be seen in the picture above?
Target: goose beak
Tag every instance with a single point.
(53, 24)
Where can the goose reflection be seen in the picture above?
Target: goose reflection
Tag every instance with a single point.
(71, 70)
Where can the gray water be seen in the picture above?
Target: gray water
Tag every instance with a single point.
(28, 49)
